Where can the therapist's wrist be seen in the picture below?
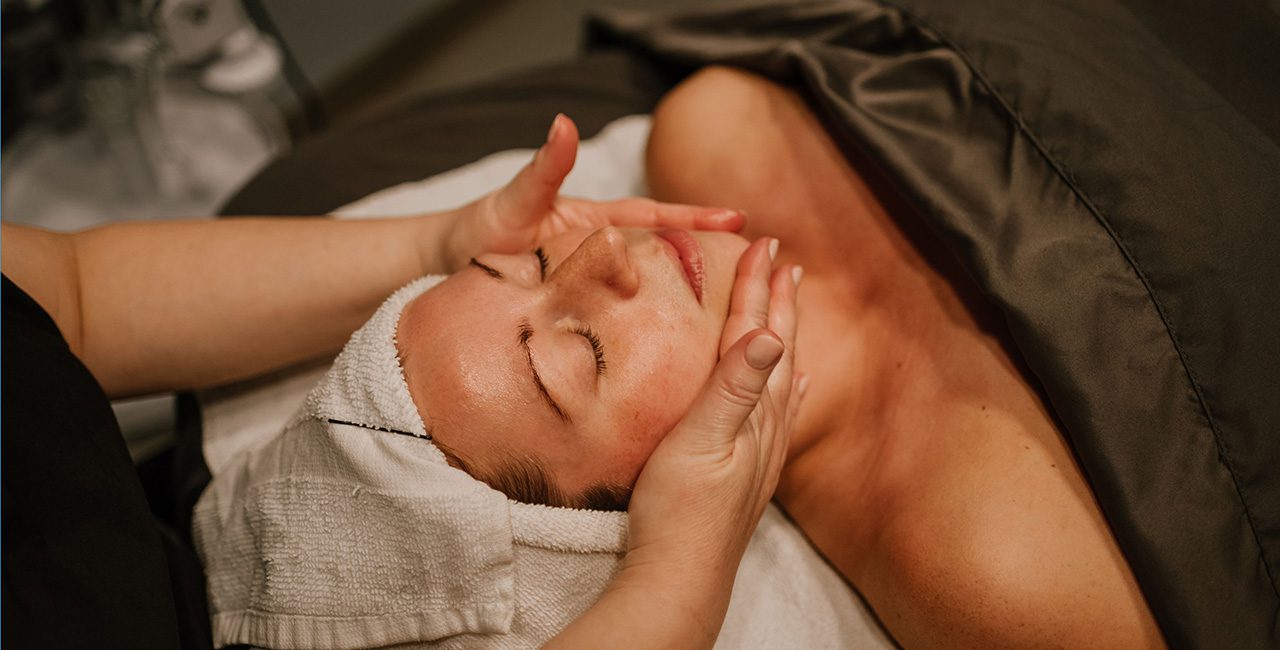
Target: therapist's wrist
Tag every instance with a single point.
(680, 583)
(435, 235)
(646, 606)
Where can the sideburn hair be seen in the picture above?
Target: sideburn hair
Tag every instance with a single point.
(526, 480)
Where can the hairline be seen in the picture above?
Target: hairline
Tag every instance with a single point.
(526, 480)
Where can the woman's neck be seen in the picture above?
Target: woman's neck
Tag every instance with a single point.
(896, 342)
(876, 385)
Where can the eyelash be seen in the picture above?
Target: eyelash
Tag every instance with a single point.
(542, 261)
(596, 347)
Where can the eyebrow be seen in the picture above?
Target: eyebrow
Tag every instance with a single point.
(526, 333)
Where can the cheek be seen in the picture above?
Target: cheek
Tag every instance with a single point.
(642, 423)
(670, 354)
(656, 408)
(658, 401)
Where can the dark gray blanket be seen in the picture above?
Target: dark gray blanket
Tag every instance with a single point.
(1113, 183)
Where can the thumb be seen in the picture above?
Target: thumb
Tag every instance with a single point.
(530, 194)
(731, 394)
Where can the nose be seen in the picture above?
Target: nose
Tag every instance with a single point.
(601, 260)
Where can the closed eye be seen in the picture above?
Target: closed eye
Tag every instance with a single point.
(542, 261)
(583, 330)
(596, 347)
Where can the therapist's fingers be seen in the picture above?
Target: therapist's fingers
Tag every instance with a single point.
(647, 213)
(528, 197)
(749, 302)
(778, 415)
(777, 451)
(730, 395)
(784, 286)
(783, 290)
(781, 393)
(799, 388)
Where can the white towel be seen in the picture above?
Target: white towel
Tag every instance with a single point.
(350, 530)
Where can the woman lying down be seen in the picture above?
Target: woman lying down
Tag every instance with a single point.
(922, 463)
(468, 457)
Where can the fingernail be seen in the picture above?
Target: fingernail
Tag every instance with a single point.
(797, 272)
(542, 151)
(773, 249)
(555, 122)
(763, 351)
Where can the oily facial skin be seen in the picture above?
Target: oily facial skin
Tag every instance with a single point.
(469, 372)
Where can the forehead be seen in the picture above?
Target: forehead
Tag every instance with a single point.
(456, 345)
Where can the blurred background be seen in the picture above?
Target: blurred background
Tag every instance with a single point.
(141, 109)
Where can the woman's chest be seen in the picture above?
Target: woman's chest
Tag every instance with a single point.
(910, 405)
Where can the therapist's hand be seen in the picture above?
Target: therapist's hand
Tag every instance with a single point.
(701, 493)
(529, 209)
(703, 490)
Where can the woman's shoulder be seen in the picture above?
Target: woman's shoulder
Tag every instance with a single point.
(1005, 549)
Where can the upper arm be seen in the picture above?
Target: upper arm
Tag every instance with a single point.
(1012, 592)
(1018, 557)
(44, 265)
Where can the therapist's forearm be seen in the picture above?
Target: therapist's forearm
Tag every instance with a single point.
(156, 306)
(653, 606)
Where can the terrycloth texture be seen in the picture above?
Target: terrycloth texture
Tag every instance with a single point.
(785, 595)
(341, 536)
(350, 530)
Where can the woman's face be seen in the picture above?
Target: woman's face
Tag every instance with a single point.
(580, 361)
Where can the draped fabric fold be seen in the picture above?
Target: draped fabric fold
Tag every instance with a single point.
(1118, 206)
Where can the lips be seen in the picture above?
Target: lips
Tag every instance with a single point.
(689, 253)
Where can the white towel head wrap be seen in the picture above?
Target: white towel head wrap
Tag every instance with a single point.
(342, 532)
